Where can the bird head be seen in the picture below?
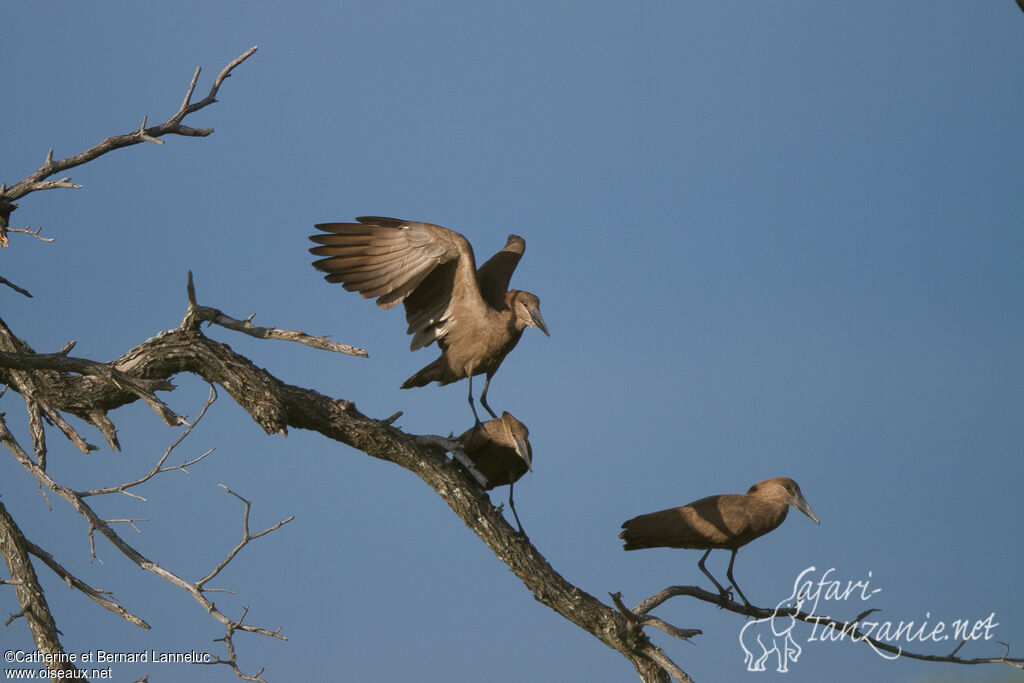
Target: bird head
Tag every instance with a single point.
(784, 490)
(527, 310)
(520, 437)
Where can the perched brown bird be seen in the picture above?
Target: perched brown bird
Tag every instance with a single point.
(727, 521)
(470, 313)
(500, 451)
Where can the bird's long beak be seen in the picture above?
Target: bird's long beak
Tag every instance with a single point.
(538, 321)
(800, 504)
(525, 452)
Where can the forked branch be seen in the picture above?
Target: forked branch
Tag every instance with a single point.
(172, 126)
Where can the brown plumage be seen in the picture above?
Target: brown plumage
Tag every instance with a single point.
(500, 451)
(470, 313)
(728, 521)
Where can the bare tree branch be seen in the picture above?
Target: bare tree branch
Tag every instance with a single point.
(197, 314)
(246, 538)
(24, 383)
(58, 361)
(276, 406)
(98, 524)
(159, 467)
(232, 660)
(16, 288)
(643, 618)
(34, 233)
(15, 549)
(173, 126)
(102, 598)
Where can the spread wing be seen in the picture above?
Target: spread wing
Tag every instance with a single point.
(429, 268)
(494, 276)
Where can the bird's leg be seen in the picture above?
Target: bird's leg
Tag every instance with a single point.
(512, 504)
(722, 592)
(733, 581)
(471, 406)
(483, 397)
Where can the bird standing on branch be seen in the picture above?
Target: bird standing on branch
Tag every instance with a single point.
(470, 313)
(500, 451)
(728, 521)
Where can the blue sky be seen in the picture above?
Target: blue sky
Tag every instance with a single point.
(769, 240)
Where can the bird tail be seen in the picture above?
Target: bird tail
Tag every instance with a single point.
(657, 530)
(431, 373)
(631, 542)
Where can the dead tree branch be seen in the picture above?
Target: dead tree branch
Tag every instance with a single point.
(172, 126)
(232, 660)
(159, 467)
(39, 179)
(276, 406)
(58, 361)
(101, 598)
(24, 382)
(246, 539)
(15, 549)
(639, 617)
(16, 288)
(197, 314)
(97, 524)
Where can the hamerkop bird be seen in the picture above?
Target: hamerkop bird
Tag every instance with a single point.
(470, 313)
(500, 451)
(727, 521)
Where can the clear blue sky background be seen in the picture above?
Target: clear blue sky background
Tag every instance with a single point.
(769, 239)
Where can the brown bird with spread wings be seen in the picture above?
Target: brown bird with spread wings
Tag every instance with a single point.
(470, 313)
(728, 521)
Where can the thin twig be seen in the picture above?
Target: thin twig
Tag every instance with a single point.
(197, 314)
(101, 598)
(33, 233)
(232, 660)
(246, 538)
(16, 288)
(648, 620)
(173, 126)
(159, 468)
(97, 524)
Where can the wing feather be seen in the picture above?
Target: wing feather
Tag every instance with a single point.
(396, 261)
(496, 274)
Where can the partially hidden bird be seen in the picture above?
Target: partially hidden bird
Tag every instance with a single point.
(727, 521)
(500, 451)
(471, 314)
